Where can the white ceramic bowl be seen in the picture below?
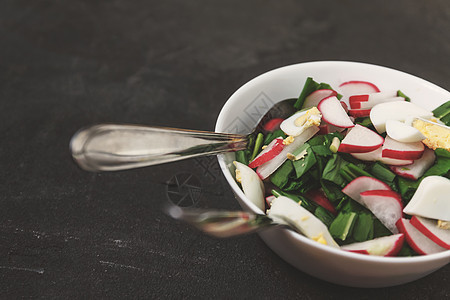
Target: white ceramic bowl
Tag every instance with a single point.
(241, 113)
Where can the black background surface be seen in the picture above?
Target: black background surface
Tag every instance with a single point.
(67, 233)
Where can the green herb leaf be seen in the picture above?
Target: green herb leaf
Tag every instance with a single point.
(343, 224)
(281, 176)
(363, 229)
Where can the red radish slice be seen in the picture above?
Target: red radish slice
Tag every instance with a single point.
(321, 199)
(359, 113)
(358, 98)
(272, 150)
(315, 97)
(376, 156)
(273, 124)
(386, 205)
(382, 246)
(333, 112)
(371, 103)
(356, 87)
(355, 101)
(417, 240)
(266, 169)
(359, 101)
(360, 139)
(429, 228)
(373, 96)
(398, 150)
(415, 170)
(344, 106)
(362, 184)
(355, 105)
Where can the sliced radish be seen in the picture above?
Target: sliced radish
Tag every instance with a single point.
(415, 170)
(333, 112)
(355, 101)
(382, 246)
(376, 156)
(429, 228)
(398, 150)
(396, 110)
(355, 104)
(360, 139)
(305, 222)
(272, 150)
(315, 97)
(371, 103)
(321, 199)
(269, 167)
(372, 97)
(431, 199)
(344, 106)
(359, 113)
(356, 87)
(402, 132)
(385, 205)
(361, 184)
(273, 124)
(416, 239)
(251, 184)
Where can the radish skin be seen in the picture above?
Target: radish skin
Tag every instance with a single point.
(416, 239)
(360, 139)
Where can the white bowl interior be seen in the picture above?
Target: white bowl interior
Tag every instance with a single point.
(248, 104)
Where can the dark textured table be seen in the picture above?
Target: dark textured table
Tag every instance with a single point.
(67, 233)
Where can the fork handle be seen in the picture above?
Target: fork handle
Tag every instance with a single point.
(112, 147)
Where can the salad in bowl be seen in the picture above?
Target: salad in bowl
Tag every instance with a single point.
(361, 169)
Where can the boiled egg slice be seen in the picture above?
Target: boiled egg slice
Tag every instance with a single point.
(431, 199)
(437, 135)
(252, 185)
(402, 132)
(286, 211)
(301, 120)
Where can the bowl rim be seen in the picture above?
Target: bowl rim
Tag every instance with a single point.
(296, 236)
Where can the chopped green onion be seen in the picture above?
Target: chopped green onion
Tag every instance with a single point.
(281, 176)
(401, 94)
(324, 215)
(382, 172)
(258, 144)
(332, 173)
(305, 163)
(442, 110)
(343, 224)
(366, 122)
(363, 229)
(321, 150)
(335, 145)
(241, 156)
